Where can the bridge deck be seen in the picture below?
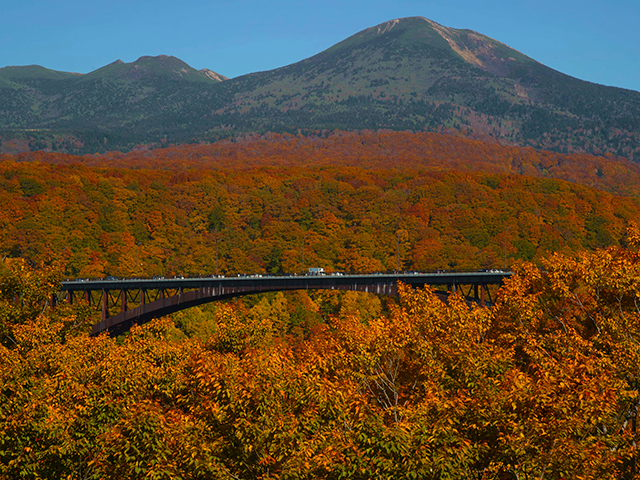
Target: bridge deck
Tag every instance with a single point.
(176, 294)
(288, 282)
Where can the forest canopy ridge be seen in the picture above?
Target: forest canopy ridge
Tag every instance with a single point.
(125, 222)
(409, 151)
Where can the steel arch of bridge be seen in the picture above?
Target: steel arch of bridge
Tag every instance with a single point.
(140, 300)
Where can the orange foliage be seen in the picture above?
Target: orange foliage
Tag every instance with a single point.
(407, 151)
(256, 218)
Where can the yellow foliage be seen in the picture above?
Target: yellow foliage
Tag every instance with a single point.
(542, 384)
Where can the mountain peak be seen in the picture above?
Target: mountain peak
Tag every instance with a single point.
(162, 59)
(419, 34)
(162, 63)
(405, 21)
(148, 67)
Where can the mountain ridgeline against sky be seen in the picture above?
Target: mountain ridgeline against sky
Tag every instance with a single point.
(409, 73)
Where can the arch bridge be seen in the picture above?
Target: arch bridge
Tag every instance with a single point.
(124, 302)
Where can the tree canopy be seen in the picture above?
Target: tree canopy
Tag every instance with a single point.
(544, 384)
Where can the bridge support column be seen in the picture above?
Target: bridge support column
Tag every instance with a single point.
(105, 304)
(70, 297)
(124, 301)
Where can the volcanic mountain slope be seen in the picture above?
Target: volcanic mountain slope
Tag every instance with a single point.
(409, 73)
(413, 73)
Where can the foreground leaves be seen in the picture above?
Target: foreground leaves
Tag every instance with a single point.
(542, 385)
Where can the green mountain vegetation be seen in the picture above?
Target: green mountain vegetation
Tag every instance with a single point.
(406, 74)
(107, 108)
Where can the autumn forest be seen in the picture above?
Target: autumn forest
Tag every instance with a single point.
(543, 383)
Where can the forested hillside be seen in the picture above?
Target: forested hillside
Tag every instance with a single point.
(326, 384)
(411, 152)
(542, 385)
(249, 216)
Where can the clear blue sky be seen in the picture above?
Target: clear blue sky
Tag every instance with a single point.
(594, 40)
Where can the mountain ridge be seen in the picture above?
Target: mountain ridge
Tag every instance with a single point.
(405, 74)
(160, 64)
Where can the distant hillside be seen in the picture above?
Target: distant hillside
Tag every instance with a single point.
(452, 203)
(405, 151)
(115, 106)
(405, 74)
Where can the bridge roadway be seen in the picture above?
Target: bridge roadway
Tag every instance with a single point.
(178, 293)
